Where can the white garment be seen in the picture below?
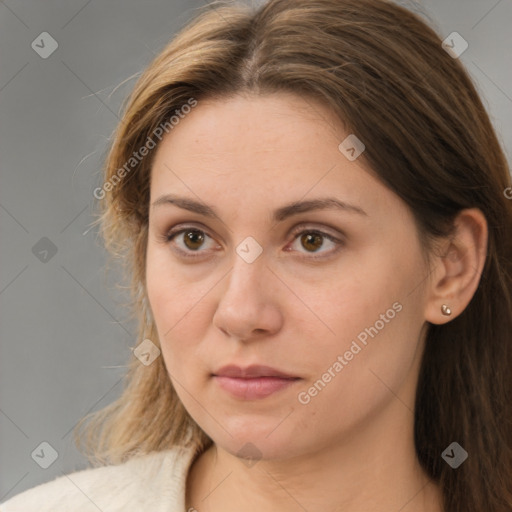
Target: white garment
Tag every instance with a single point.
(149, 483)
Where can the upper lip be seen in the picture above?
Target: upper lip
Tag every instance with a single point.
(251, 372)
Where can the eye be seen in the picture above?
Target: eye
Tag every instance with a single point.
(314, 240)
(189, 240)
(192, 241)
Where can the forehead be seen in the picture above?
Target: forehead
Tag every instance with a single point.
(242, 126)
(255, 150)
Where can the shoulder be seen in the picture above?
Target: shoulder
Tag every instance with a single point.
(142, 481)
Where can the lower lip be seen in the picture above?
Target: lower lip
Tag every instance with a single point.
(252, 389)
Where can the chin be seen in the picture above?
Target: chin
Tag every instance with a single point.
(253, 442)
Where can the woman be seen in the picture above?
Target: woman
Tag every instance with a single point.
(313, 207)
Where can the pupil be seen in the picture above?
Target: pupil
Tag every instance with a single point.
(311, 238)
(193, 237)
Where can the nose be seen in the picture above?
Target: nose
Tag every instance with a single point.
(248, 307)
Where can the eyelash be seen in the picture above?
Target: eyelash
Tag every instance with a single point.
(299, 230)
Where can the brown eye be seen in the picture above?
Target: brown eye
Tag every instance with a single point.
(193, 239)
(190, 242)
(312, 241)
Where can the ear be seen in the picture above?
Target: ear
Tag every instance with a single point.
(457, 268)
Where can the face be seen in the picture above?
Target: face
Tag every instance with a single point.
(326, 297)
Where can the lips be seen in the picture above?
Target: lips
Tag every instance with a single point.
(251, 372)
(254, 382)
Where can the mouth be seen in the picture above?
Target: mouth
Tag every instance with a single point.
(253, 382)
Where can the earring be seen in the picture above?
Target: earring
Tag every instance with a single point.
(446, 310)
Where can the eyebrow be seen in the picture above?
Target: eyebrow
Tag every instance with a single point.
(280, 214)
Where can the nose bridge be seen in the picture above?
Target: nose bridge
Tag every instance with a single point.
(246, 274)
(246, 304)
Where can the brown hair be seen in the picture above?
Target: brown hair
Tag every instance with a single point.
(428, 137)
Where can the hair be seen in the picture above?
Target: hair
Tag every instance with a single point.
(384, 73)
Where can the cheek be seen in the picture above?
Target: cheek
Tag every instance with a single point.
(167, 304)
(351, 381)
(374, 324)
(349, 302)
(169, 293)
(179, 307)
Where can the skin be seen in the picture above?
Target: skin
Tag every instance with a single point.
(351, 446)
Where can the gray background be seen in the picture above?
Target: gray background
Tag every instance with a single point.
(64, 334)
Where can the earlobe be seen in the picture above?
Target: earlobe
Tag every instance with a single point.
(457, 271)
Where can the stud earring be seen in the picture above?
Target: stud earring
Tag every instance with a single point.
(446, 310)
